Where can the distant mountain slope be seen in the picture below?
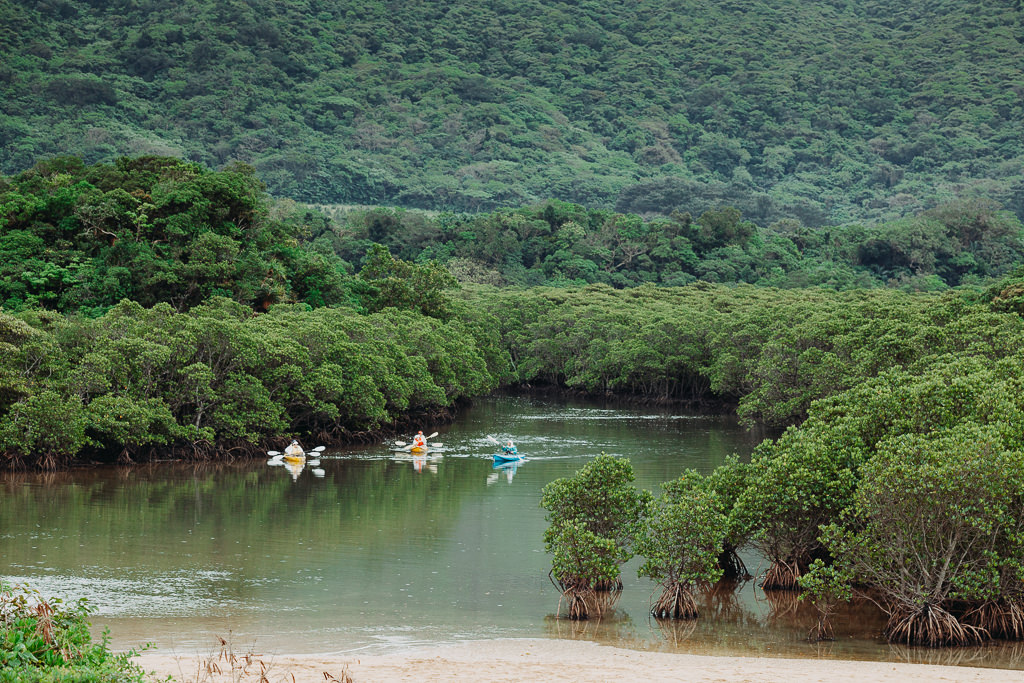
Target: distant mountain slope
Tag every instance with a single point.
(824, 111)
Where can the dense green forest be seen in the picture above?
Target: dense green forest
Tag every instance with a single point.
(961, 242)
(154, 305)
(78, 238)
(824, 113)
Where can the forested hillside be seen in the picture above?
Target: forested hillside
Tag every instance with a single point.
(77, 238)
(823, 112)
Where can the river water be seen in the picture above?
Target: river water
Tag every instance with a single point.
(379, 551)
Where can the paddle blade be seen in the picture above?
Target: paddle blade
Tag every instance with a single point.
(273, 452)
(401, 443)
(319, 449)
(492, 439)
(432, 435)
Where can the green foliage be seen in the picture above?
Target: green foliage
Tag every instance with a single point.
(154, 229)
(825, 585)
(394, 283)
(137, 381)
(772, 352)
(725, 484)
(682, 538)
(580, 555)
(851, 111)
(910, 483)
(12, 383)
(48, 641)
(554, 243)
(598, 506)
(46, 427)
(937, 517)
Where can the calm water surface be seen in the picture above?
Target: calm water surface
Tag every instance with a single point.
(384, 551)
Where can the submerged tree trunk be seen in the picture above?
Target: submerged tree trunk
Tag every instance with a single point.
(732, 564)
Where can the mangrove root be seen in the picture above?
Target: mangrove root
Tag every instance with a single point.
(613, 585)
(581, 603)
(822, 630)
(732, 564)
(676, 602)
(931, 626)
(1003, 619)
(782, 576)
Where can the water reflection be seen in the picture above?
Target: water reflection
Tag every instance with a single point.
(506, 467)
(613, 625)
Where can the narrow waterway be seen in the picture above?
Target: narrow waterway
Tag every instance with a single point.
(378, 550)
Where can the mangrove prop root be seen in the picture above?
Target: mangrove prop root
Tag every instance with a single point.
(564, 583)
(1002, 619)
(732, 565)
(782, 576)
(931, 626)
(613, 585)
(822, 630)
(581, 602)
(676, 602)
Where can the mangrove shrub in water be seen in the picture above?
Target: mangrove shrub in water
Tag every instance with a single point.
(682, 540)
(934, 518)
(594, 518)
(915, 477)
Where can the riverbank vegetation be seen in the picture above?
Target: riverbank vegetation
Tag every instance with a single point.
(48, 641)
(955, 243)
(905, 489)
(595, 517)
(154, 306)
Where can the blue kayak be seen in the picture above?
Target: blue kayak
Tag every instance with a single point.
(507, 457)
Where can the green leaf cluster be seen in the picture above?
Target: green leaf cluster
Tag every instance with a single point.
(682, 538)
(554, 243)
(156, 229)
(770, 352)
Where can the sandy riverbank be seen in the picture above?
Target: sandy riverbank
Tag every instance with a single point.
(543, 660)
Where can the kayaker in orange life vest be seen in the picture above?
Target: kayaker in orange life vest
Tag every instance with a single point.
(419, 441)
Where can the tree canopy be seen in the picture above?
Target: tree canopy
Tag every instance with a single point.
(817, 112)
